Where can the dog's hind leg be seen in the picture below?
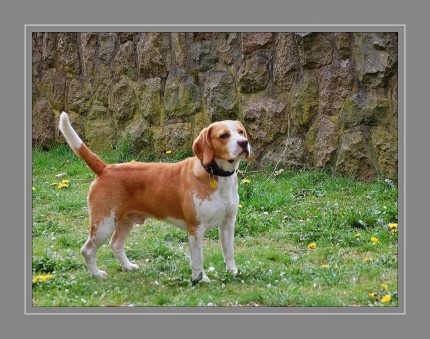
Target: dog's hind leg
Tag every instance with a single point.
(98, 236)
(117, 242)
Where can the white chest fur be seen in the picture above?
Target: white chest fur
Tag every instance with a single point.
(221, 204)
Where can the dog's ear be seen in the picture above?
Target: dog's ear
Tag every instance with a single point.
(202, 146)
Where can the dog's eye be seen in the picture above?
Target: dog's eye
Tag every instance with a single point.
(241, 132)
(224, 136)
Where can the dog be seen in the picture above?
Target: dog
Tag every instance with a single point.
(195, 194)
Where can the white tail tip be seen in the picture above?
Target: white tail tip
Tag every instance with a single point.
(69, 133)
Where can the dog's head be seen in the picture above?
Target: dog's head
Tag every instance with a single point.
(224, 140)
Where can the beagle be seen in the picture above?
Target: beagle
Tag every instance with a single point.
(195, 194)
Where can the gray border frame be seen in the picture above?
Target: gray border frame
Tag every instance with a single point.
(400, 309)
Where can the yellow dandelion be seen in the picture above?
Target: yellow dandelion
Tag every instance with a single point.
(246, 181)
(384, 286)
(42, 277)
(62, 185)
(133, 160)
(366, 259)
(375, 240)
(386, 298)
(240, 205)
(33, 188)
(357, 235)
(392, 228)
(168, 152)
(312, 246)
(373, 295)
(54, 183)
(324, 266)
(65, 181)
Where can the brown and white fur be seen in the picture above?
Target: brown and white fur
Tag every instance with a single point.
(178, 193)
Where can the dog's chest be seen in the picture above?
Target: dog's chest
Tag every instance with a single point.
(221, 204)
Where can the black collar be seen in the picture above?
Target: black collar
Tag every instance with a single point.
(213, 169)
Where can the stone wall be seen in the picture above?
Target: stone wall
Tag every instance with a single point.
(306, 99)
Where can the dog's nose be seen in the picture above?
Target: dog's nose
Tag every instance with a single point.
(243, 144)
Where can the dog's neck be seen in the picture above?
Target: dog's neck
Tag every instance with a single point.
(222, 168)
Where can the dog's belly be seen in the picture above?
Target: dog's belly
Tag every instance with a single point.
(140, 217)
(176, 222)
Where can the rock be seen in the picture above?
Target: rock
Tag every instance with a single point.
(42, 124)
(78, 99)
(36, 56)
(175, 137)
(286, 62)
(202, 56)
(304, 102)
(107, 44)
(286, 152)
(153, 54)
(103, 84)
(88, 47)
(354, 158)
(385, 147)
(335, 85)
(201, 36)
(139, 134)
(322, 141)
(100, 134)
(228, 46)
(150, 100)
(254, 41)
(124, 61)
(52, 86)
(34, 94)
(369, 109)
(375, 58)
(343, 44)
(221, 100)
(49, 49)
(179, 49)
(181, 95)
(68, 57)
(98, 111)
(123, 101)
(126, 36)
(253, 74)
(315, 49)
(393, 100)
(265, 121)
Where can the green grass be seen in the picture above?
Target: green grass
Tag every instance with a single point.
(280, 216)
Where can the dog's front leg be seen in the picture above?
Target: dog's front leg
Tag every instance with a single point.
(226, 235)
(196, 256)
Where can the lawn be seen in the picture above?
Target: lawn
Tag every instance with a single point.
(303, 238)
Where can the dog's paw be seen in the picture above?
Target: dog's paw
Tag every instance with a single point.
(100, 274)
(201, 277)
(232, 268)
(234, 272)
(205, 279)
(131, 267)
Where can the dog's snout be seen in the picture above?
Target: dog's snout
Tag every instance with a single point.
(243, 144)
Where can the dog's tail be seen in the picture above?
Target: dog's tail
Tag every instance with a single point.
(77, 145)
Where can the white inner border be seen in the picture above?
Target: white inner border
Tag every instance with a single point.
(294, 310)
